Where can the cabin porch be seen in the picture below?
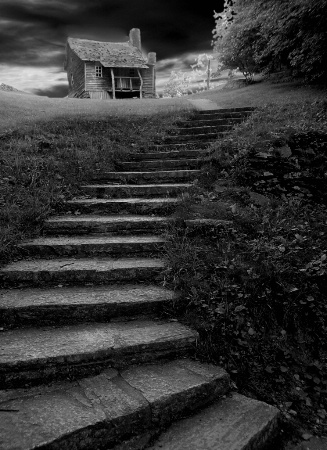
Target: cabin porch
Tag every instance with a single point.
(104, 83)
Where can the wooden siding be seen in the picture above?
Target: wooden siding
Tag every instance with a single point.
(93, 83)
(88, 85)
(75, 67)
(99, 95)
(148, 76)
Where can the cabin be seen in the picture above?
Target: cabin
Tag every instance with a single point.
(110, 70)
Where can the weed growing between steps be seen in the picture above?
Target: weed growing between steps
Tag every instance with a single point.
(256, 290)
(43, 167)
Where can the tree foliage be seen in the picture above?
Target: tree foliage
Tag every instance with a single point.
(267, 35)
(179, 82)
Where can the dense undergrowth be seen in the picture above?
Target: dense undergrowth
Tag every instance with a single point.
(256, 289)
(42, 167)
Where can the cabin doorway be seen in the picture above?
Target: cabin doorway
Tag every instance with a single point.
(127, 94)
(126, 83)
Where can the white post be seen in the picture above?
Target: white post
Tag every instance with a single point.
(113, 84)
(141, 86)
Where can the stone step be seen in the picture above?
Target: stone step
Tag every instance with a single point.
(174, 154)
(153, 205)
(68, 271)
(246, 109)
(211, 122)
(137, 190)
(191, 145)
(164, 164)
(70, 305)
(34, 355)
(207, 129)
(105, 410)
(86, 224)
(234, 423)
(203, 115)
(203, 136)
(162, 176)
(84, 246)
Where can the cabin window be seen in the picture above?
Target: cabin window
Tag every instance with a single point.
(132, 73)
(98, 71)
(72, 79)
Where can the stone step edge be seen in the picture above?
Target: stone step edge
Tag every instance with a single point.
(35, 356)
(79, 271)
(175, 154)
(95, 245)
(227, 110)
(163, 161)
(71, 305)
(235, 422)
(158, 173)
(180, 145)
(104, 410)
(97, 224)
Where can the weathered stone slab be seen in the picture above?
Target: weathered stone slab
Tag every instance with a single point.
(211, 122)
(78, 246)
(68, 305)
(92, 413)
(194, 145)
(163, 164)
(105, 410)
(154, 177)
(234, 423)
(174, 154)
(195, 137)
(80, 271)
(138, 190)
(123, 205)
(35, 354)
(205, 129)
(245, 109)
(84, 224)
(223, 115)
(178, 387)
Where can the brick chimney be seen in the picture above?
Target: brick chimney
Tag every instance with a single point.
(152, 58)
(135, 38)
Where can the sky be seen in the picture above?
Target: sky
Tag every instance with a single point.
(33, 34)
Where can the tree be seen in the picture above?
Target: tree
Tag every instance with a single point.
(202, 68)
(234, 38)
(265, 34)
(177, 84)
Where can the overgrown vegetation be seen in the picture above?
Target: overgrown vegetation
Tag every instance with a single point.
(256, 289)
(265, 35)
(44, 166)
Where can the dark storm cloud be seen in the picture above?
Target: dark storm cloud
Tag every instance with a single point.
(32, 30)
(55, 91)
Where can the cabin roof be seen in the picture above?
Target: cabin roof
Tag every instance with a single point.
(110, 54)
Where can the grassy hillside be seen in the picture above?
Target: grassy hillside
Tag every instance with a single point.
(255, 292)
(22, 111)
(235, 94)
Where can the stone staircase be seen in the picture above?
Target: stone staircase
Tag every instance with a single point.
(86, 359)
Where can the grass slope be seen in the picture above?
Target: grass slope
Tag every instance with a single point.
(257, 291)
(260, 93)
(21, 112)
